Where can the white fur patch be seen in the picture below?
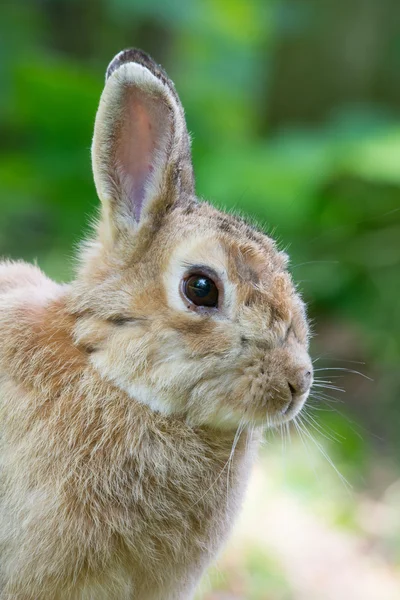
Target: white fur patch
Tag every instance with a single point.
(145, 395)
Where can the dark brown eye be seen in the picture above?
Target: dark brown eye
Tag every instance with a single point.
(201, 290)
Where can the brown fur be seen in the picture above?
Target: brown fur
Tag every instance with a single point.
(129, 421)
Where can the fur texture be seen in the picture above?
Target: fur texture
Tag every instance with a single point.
(129, 417)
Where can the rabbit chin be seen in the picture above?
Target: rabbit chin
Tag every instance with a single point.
(263, 416)
(216, 414)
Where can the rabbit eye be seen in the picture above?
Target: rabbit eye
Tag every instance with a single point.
(200, 290)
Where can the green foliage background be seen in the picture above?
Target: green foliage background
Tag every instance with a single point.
(294, 107)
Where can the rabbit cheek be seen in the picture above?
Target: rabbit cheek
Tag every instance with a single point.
(148, 366)
(273, 381)
(202, 337)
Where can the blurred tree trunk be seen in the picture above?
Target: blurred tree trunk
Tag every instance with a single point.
(89, 30)
(332, 53)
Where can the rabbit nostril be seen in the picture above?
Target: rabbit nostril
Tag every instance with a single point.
(292, 389)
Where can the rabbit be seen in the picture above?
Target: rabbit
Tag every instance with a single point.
(133, 399)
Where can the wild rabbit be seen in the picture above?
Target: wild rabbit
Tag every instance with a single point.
(132, 399)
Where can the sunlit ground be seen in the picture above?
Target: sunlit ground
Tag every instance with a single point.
(305, 534)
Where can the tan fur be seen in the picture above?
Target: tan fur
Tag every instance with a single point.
(129, 421)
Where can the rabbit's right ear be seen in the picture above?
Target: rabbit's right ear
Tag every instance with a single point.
(141, 149)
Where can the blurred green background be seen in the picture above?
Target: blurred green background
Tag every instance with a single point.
(294, 107)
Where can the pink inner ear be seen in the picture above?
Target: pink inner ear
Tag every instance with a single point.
(143, 131)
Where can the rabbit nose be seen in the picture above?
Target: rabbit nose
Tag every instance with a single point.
(300, 382)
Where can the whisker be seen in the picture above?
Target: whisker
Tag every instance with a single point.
(318, 408)
(333, 436)
(341, 359)
(330, 377)
(325, 398)
(342, 478)
(346, 370)
(328, 386)
(300, 432)
(313, 262)
(234, 443)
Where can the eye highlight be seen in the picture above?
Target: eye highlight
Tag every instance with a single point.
(200, 290)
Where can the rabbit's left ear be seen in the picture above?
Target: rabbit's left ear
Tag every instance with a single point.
(141, 149)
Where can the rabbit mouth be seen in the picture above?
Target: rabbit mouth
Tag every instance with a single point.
(294, 407)
(278, 409)
(288, 409)
(269, 417)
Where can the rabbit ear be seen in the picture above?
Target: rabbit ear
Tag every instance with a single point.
(141, 148)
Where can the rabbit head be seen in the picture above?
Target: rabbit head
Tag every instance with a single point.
(189, 310)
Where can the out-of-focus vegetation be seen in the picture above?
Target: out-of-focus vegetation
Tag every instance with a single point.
(294, 106)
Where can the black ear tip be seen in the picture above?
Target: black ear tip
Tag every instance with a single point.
(134, 55)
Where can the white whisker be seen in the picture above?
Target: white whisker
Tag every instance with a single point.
(325, 455)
